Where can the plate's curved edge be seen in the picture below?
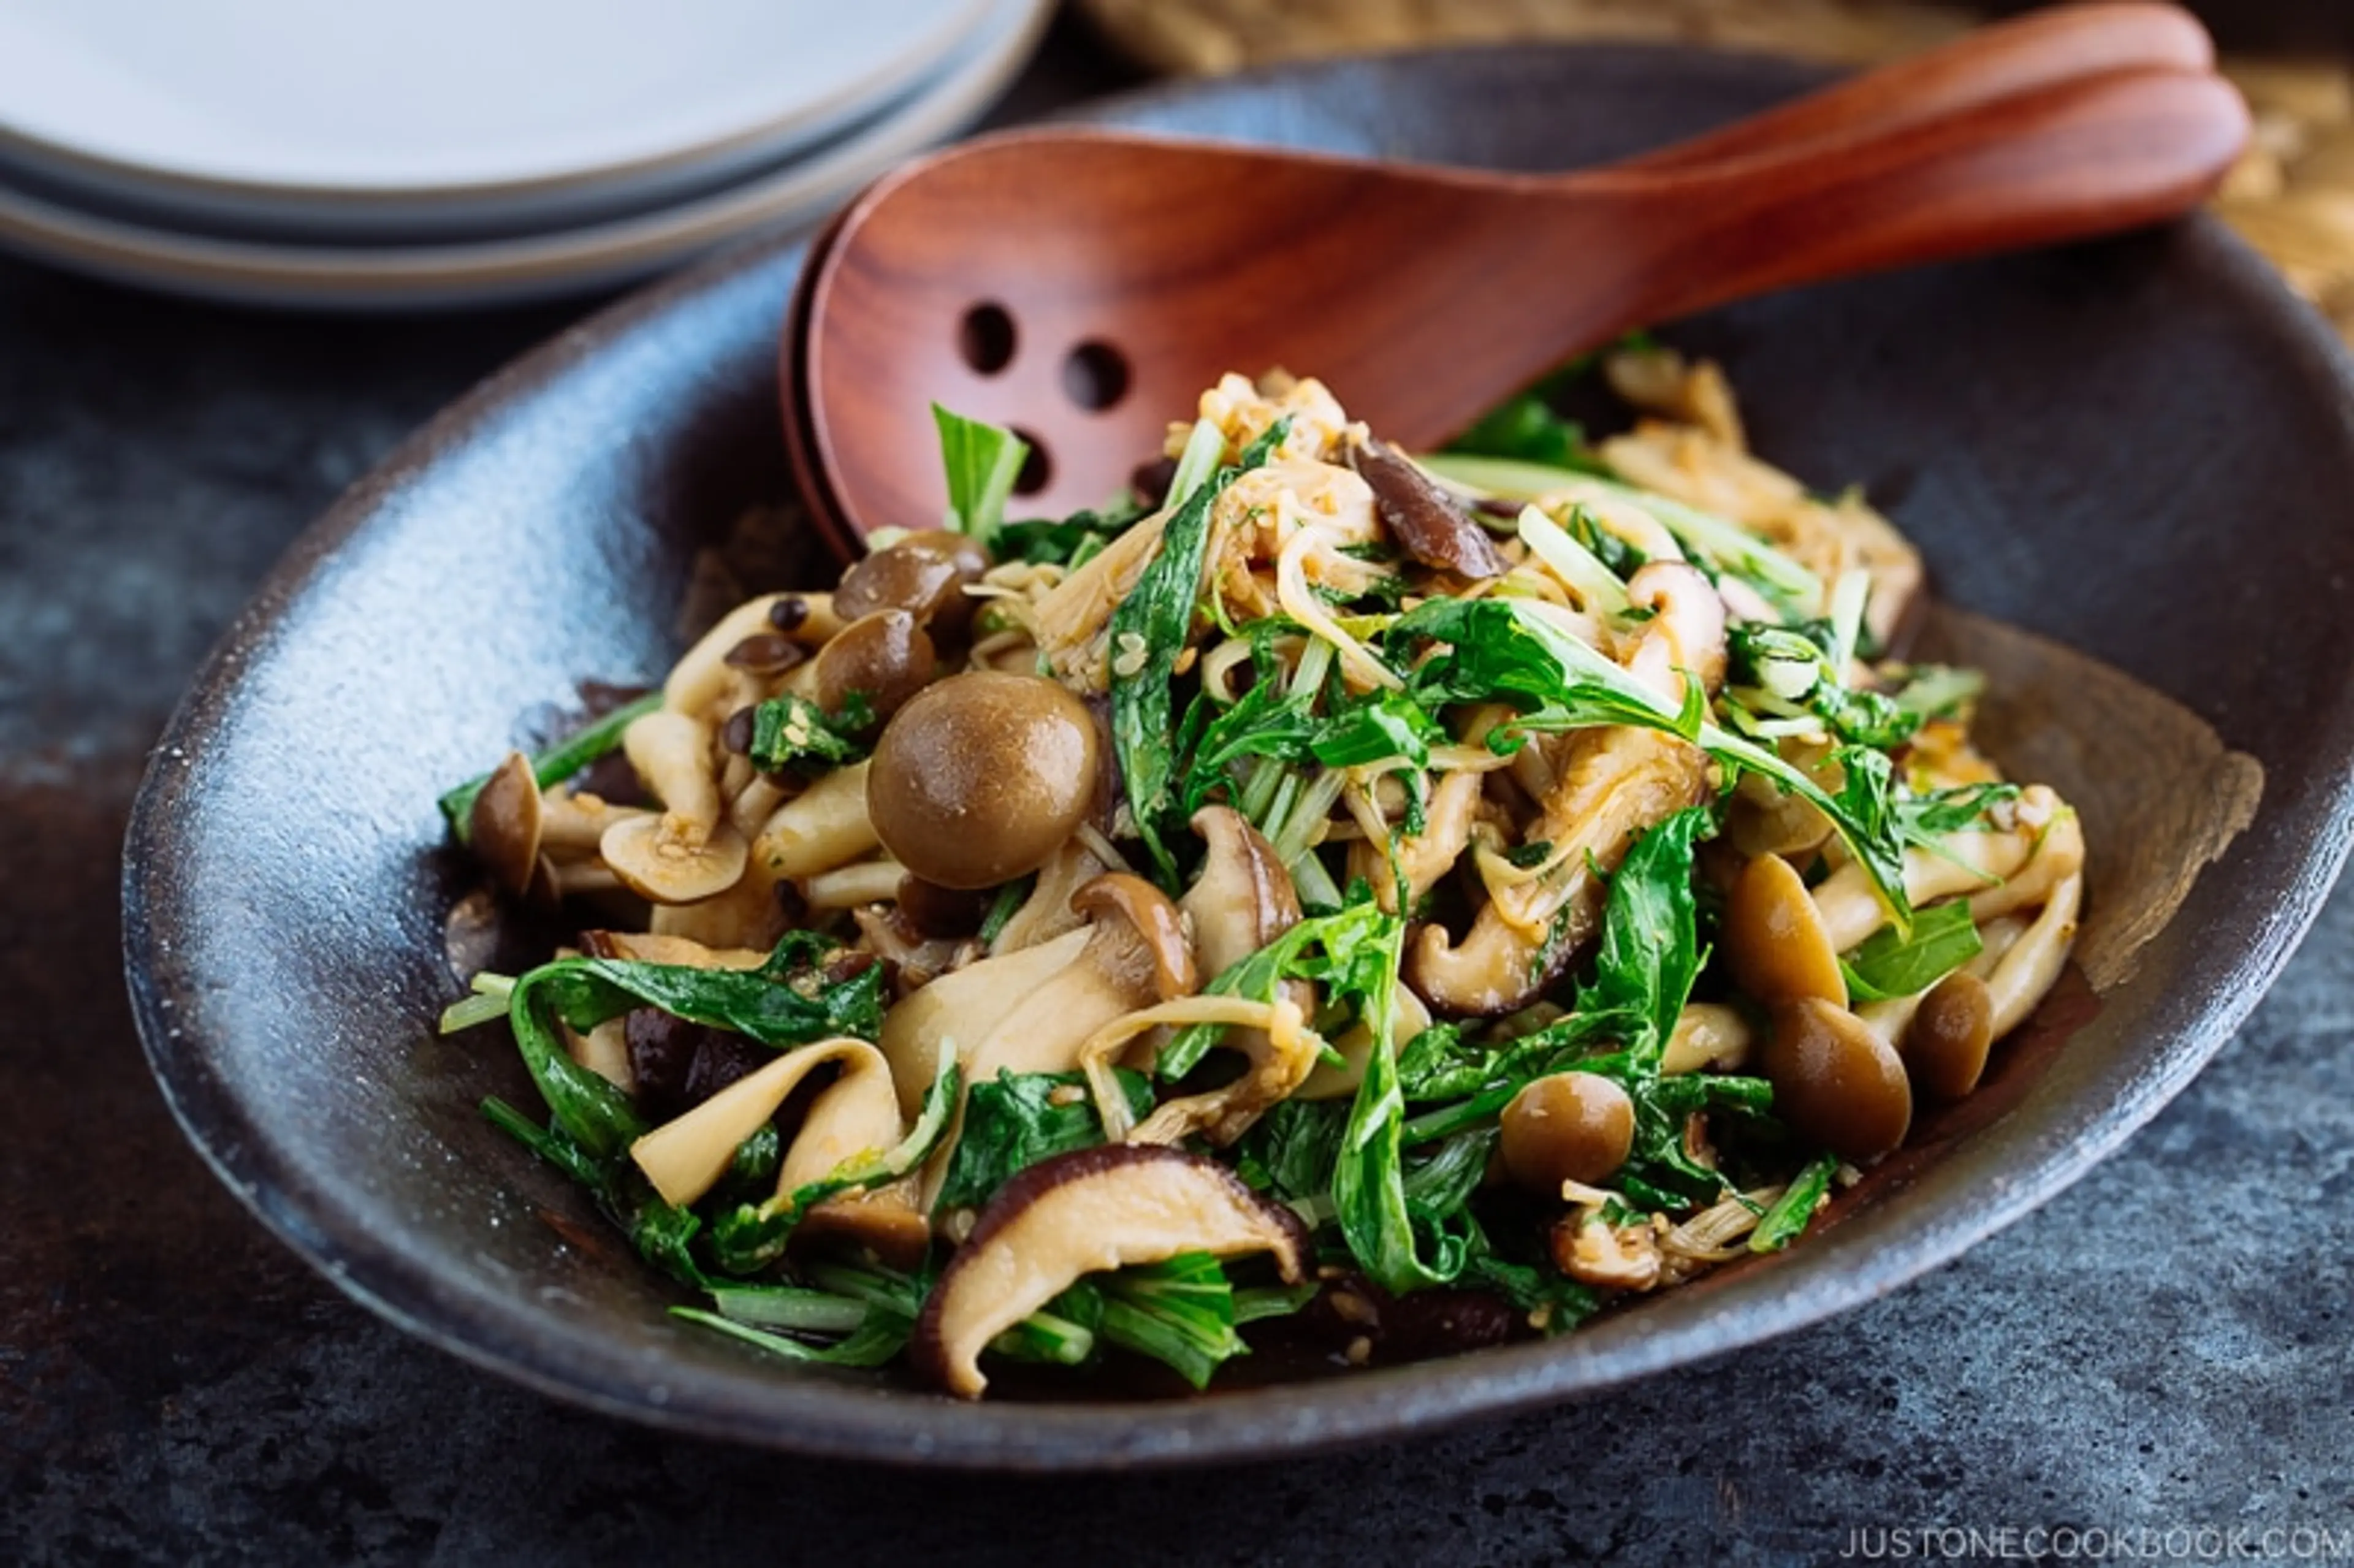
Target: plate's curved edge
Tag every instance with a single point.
(876, 81)
(569, 261)
(849, 1423)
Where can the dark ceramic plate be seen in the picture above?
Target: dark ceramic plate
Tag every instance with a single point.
(2141, 446)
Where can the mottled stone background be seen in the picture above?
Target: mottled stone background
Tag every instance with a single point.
(2170, 1344)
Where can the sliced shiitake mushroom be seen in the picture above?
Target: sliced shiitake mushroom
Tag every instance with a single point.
(1946, 1045)
(1429, 524)
(1774, 938)
(1080, 1213)
(1836, 1082)
(981, 778)
(1566, 1126)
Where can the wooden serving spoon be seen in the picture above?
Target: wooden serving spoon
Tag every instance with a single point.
(1083, 286)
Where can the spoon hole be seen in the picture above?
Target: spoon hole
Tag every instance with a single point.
(1037, 469)
(1095, 375)
(985, 337)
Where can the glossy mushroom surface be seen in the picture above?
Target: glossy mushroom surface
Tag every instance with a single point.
(1836, 1082)
(885, 658)
(982, 776)
(1566, 1126)
(923, 574)
(1774, 938)
(1946, 1045)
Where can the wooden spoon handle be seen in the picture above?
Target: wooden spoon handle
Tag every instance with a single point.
(2060, 163)
(2003, 60)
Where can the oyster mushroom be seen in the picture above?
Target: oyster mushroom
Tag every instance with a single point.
(962, 1010)
(1427, 521)
(856, 1114)
(1030, 1011)
(1424, 858)
(1614, 783)
(1607, 785)
(652, 948)
(685, 1157)
(688, 852)
(1080, 1213)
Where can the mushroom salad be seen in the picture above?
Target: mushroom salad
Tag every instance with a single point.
(1363, 904)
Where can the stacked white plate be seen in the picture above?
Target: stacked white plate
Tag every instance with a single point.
(409, 154)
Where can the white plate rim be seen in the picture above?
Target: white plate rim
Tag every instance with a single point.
(507, 270)
(804, 122)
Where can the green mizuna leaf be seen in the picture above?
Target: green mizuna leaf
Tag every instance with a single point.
(1148, 630)
(1788, 1219)
(1016, 1119)
(1369, 1192)
(1888, 965)
(790, 731)
(982, 461)
(1502, 649)
(1651, 943)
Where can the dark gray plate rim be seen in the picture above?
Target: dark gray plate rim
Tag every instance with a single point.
(2305, 843)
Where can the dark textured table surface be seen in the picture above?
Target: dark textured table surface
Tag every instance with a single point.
(2166, 1352)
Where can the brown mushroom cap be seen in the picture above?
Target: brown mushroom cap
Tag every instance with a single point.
(971, 556)
(935, 911)
(1836, 1082)
(1946, 1045)
(923, 574)
(1427, 523)
(1079, 1213)
(667, 870)
(1566, 1126)
(1156, 921)
(1774, 938)
(982, 776)
(885, 657)
(503, 828)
